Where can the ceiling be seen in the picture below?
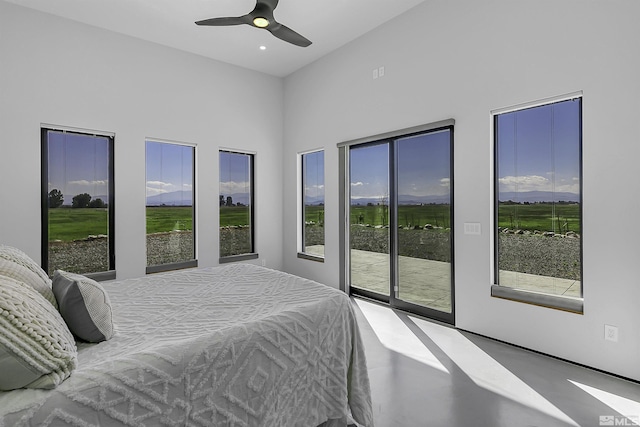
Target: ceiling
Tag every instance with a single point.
(329, 24)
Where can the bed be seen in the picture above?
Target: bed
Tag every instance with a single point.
(237, 345)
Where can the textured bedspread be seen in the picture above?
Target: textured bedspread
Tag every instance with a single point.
(237, 345)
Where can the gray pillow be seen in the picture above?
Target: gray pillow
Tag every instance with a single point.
(36, 348)
(84, 305)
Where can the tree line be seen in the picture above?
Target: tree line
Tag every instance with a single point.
(229, 201)
(56, 199)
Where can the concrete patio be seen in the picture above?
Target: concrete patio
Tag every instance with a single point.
(427, 282)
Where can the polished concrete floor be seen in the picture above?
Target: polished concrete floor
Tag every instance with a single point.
(426, 374)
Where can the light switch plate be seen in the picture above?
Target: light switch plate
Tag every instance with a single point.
(472, 228)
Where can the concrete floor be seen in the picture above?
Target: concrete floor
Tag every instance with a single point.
(421, 281)
(428, 283)
(426, 374)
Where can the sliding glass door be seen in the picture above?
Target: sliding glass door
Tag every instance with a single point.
(400, 222)
(369, 219)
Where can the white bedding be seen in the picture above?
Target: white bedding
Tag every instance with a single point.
(238, 345)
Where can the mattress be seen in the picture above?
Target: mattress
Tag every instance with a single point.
(238, 345)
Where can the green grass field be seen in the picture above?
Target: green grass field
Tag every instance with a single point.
(234, 215)
(67, 224)
(408, 215)
(167, 218)
(558, 218)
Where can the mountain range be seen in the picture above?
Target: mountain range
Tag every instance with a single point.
(174, 198)
(523, 196)
(406, 199)
(539, 196)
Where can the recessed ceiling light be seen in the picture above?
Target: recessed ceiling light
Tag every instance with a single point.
(260, 22)
(263, 48)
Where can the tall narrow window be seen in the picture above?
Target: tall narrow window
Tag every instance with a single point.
(236, 206)
(312, 226)
(170, 206)
(77, 203)
(538, 204)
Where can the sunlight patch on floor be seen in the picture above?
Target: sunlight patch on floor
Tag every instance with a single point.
(485, 371)
(396, 336)
(625, 407)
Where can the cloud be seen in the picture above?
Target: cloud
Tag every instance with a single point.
(536, 183)
(159, 184)
(357, 184)
(524, 183)
(445, 182)
(187, 186)
(155, 191)
(314, 190)
(158, 187)
(89, 183)
(232, 187)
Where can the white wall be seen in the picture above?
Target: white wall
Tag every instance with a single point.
(461, 59)
(61, 72)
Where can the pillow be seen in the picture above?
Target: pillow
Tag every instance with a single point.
(36, 348)
(17, 265)
(84, 305)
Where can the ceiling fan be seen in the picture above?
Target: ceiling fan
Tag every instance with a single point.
(262, 17)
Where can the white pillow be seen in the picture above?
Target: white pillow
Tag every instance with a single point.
(36, 348)
(16, 264)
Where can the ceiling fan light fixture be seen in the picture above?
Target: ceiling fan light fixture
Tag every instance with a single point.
(260, 22)
(261, 17)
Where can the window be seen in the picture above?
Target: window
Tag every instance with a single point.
(77, 203)
(397, 202)
(538, 204)
(312, 205)
(236, 206)
(170, 207)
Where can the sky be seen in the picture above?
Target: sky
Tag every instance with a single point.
(539, 148)
(423, 167)
(169, 169)
(78, 164)
(313, 169)
(235, 174)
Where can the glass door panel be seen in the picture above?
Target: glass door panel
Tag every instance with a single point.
(369, 218)
(423, 179)
(400, 222)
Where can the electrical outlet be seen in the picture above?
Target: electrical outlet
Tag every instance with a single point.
(611, 333)
(381, 71)
(375, 73)
(264, 262)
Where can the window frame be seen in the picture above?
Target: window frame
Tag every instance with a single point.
(547, 300)
(253, 253)
(344, 201)
(158, 268)
(44, 222)
(302, 253)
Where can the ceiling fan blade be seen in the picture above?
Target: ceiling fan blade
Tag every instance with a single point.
(271, 4)
(287, 34)
(219, 22)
